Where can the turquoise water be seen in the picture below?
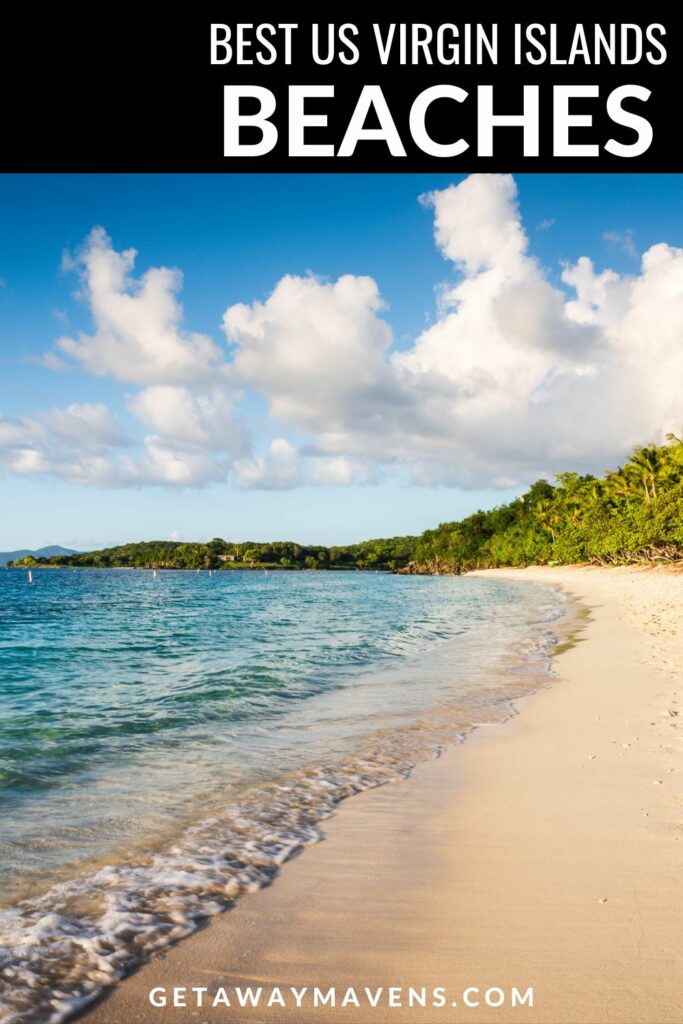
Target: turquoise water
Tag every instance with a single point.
(166, 742)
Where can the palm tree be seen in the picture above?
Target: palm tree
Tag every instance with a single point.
(619, 483)
(649, 461)
(673, 457)
(547, 514)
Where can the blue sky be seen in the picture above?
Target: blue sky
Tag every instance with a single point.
(234, 238)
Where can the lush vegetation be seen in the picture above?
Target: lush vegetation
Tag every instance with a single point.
(634, 513)
(222, 554)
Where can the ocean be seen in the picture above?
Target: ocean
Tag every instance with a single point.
(168, 741)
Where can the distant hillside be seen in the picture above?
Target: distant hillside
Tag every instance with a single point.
(390, 554)
(49, 552)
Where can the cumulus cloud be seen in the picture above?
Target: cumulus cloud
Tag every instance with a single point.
(84, 444)
(198, 421)
(137, 336)
(66, 442)
(314, 344)
(284, 467)
(80, 425)
(84, 425)
(518, 375)
(186, 399)
(339, 471)
(164, 464)
(280, 470)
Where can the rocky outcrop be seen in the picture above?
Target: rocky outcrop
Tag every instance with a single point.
(432, 568)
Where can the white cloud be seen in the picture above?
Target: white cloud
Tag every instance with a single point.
(477, 224)
(60, 442)
(280, 470)
(84, 425)
(339, 471)
(84, 444)
(514, 379)
(137, 321)
(163, 464)
(186, 400)
(516, 376)
(78, 426)
(198, 421)
(313, 344)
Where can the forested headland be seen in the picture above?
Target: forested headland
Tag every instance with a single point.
(631, 514)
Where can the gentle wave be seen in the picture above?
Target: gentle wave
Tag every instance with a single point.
(63, 947)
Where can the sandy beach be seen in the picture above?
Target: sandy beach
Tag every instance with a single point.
(545, 853)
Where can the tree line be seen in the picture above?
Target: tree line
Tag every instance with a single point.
(633, 513)
(388, 555)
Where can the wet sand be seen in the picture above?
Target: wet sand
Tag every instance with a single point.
(544, 853)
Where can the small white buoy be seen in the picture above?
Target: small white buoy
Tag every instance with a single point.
(155, 574)
(30, 576)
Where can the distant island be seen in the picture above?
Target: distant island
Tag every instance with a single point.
(632, 514)
(7, 557)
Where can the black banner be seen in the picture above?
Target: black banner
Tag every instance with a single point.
(225, 88)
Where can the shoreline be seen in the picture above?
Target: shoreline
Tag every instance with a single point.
(76, 932)
(539, 853)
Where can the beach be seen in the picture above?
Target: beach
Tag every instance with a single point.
(543, 853)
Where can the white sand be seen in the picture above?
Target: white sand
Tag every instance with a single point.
(546, 852)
